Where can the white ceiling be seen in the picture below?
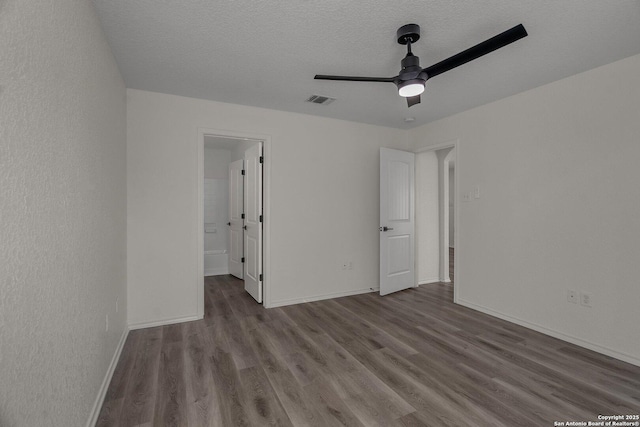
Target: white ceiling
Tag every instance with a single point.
(265, 53)
(218, 142)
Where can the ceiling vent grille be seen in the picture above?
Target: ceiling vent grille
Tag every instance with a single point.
(319, 99)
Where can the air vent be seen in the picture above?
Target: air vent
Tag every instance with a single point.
(319, 99)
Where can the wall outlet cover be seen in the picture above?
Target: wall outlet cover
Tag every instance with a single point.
(572, 296)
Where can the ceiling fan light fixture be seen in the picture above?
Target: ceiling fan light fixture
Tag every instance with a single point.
(412, 79)
(409, 88)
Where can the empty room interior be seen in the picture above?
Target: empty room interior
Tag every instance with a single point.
(296, 213)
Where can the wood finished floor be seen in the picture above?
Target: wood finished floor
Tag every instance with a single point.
(409, 359)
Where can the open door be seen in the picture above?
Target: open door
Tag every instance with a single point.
(397, 229)
(253, 221)
(236, 200)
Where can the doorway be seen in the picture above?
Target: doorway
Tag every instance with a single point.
(436, 215)
(233, 215)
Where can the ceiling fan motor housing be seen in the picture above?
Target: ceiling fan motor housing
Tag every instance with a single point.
(411, 70)
(408, 34)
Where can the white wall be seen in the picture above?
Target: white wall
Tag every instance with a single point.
(324, 201)
(558, 172)
(240, 148)
(216, 163)
(427, 218)
(216, 198)
(62, 211)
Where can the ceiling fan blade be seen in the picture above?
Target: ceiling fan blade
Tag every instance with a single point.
(475, 52)
(355, 79)
(413, 100)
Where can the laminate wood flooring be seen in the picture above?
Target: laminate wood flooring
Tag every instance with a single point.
(412, 358)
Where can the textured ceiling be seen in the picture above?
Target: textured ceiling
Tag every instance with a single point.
(265, 53)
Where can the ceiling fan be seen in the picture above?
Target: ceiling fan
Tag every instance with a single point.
(412, 79)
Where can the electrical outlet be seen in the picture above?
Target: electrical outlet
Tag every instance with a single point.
(572, 296)
(466, 197)
(117, 300)
(106, 325)
(585, 299)
(348, 265)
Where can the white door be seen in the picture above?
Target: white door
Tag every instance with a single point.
(397, 250)
(253, 221)
(236, 200)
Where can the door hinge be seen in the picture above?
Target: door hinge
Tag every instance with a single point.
(242, 216)
(260, 218)
(261, 277)
(261, 159)
(242, 259)
(242, 171)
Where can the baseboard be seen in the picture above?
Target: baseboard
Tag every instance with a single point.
(97, 405)
(163, 322)
(321, 297)
(553, 333)
(216, 271)
(428, 281)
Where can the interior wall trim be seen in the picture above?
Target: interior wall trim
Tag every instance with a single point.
(553, 333)
(102, 392)
(322, 297)
(429, 280)
(163, 322)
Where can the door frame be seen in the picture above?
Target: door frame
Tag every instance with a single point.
(266, 208)
(455, 144)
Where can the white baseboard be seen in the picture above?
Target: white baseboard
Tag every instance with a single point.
(163, 322)
(321, 297)
(97, 405)
(427, 281)
(216, 271)
(553, 333)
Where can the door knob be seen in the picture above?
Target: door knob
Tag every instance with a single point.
(386, 228)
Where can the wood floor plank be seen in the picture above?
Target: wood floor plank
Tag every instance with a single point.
(322, 393)
(239, 346)
(202, 404)
(110, 413)
(140, 397)
(284, 383)
(412, 358)
(228, 389)
(263, 406)
(171, 401)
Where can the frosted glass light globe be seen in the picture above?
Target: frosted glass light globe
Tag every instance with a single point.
(411, 89)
